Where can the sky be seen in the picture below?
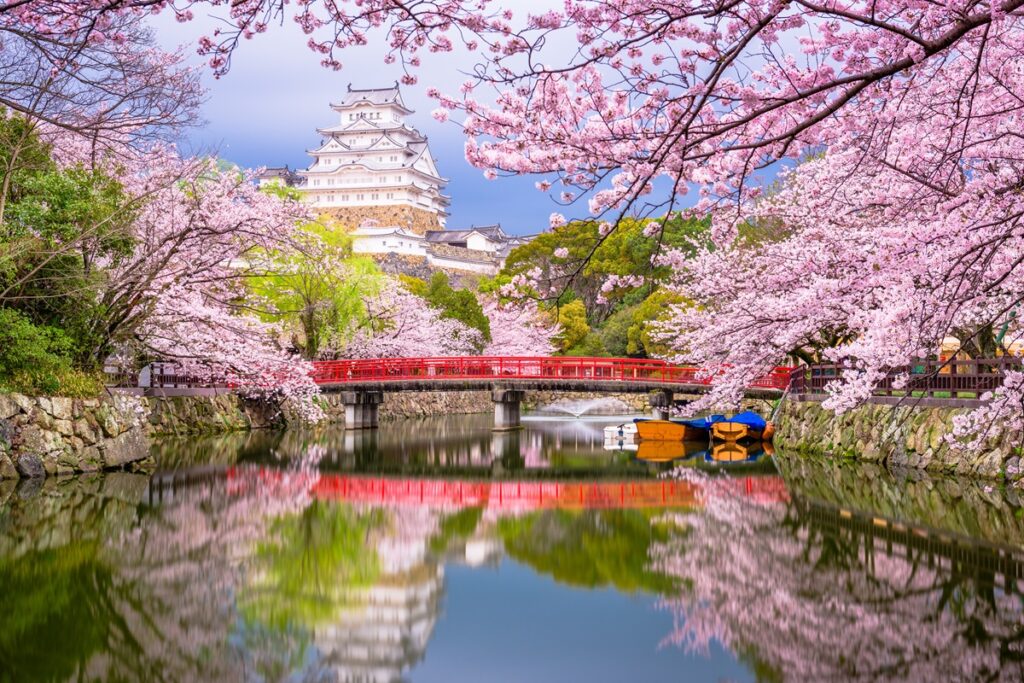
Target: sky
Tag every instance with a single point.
(265, 112)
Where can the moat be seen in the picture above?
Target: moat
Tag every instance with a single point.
(436, 550)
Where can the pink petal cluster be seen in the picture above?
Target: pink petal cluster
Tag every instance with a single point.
(519, 329)
(403, 325)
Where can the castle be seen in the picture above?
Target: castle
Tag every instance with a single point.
(376, 175)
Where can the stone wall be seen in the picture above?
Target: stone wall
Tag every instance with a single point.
(898, 436)
(417, 404)
(417, 266)
(463, 254)
(43, 436)
(181, 415)
(404, 264)
(411, 218)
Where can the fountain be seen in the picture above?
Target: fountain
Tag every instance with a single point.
(591, 406)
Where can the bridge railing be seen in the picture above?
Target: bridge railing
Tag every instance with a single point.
(960, 381)
(525, 367)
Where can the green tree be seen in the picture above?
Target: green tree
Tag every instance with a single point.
(457, 304)
(614, 333)
(590, 346)
(317, 288)
(33, 357)
(57, 225)
(592, 258)
(22, 153)
(572, 317)
(639, 335)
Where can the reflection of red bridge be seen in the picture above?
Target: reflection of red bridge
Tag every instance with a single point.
(518, 495)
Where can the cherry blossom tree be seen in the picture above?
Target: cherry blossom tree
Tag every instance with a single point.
(519, 329)
(181, 284)
(173, 292)
(92, 68)
(694, 93)
(402, 324)
(906, 227)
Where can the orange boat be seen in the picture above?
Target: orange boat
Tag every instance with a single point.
(745, 426)
(734, 431)
(668, 430)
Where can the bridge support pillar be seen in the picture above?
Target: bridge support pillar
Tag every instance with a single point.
(661, 403)
(507, 408)
(361, 408)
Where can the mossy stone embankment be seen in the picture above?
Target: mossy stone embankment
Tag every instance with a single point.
(898, 436)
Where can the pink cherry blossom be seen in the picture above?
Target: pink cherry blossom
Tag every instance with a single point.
(519, 329)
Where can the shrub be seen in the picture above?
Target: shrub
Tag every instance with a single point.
(36, 359)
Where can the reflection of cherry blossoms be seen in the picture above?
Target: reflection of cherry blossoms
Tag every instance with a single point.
(815, 607)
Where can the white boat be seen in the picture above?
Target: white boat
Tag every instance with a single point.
(623, 432)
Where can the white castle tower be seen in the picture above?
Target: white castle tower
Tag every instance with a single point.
(372, 165)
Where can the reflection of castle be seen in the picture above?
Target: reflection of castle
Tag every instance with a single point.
(387, 636)
(389, 632)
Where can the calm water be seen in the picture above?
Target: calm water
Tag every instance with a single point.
(435, 550)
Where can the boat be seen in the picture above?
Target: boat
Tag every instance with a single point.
(747, 425)
(667, 430)
(666, 451)
(622, 432)
(694, 429)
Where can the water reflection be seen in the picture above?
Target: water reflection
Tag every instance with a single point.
(404, 557)
(459, 445)
(809, 591)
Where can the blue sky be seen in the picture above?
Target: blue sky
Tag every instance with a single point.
(266, 110)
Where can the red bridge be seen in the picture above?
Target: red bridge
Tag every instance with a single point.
(362, 383)
(568, 373)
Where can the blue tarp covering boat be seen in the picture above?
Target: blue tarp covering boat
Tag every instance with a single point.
(703, 422)
(750, 419)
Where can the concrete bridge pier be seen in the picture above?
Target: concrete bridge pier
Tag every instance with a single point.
(361, 408)
(661, 403)
(507, 408)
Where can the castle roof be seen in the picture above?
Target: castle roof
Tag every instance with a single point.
(355, 97)
(491, 232)
(383, 231)
(287, 175)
